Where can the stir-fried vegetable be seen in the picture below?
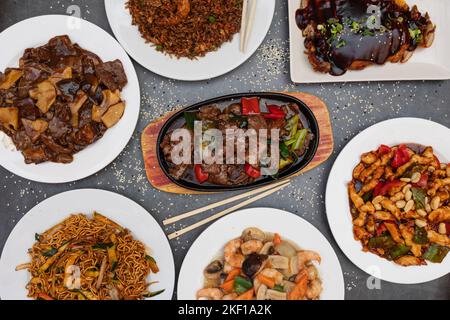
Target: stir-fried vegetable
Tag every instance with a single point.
(241, 285)
(250, 106)
(53, 258)
(153, 264)
(190, 118)
(420, 236)
(199, 174)
(436, 253)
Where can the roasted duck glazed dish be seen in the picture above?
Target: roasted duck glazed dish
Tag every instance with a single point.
(343, 35)
(60, 99)
(246, 113)
(400, 204)
(262, 266)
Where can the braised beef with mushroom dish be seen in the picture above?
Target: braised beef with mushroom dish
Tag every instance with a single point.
(60, 99)
(343, 35)
(245, 113)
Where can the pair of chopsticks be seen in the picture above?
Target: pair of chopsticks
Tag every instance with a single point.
(247, 21)
(257, 193)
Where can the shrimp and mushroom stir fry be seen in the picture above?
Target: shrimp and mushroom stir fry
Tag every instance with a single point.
(400, 206)
(262, 266)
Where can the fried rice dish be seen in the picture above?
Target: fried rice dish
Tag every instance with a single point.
(186, 28)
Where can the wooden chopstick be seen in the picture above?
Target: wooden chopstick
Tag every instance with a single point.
(250, 22)
(227, 211)
(221, 203)
(243, 25)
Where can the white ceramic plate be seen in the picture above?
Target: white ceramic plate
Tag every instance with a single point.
(291, 227)
(55, 209)
(426, 64)
(214, 64)
(16, 39)
(390, 132)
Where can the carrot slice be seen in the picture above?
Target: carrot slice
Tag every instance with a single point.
(299, 291)
(44, 296)
(228, 286)
(247, 295)
(233, 274)
(265, 280)
(276, 239)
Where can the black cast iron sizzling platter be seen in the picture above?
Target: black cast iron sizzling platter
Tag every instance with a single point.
(277, 97)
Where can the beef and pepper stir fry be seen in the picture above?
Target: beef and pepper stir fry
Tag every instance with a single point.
(295, 138)
(59, 100)
(400, 204)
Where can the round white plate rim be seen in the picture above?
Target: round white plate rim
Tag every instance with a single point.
(131, 94)
(370, 263)
(235, 223)
(143, 218)
(234, 64)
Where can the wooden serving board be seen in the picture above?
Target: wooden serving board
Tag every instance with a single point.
(159, 180)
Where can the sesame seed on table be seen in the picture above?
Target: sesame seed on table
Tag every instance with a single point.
(353, 107)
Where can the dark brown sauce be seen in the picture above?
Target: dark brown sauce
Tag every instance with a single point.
(373, 45)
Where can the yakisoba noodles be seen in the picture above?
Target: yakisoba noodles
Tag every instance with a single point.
(85, 258)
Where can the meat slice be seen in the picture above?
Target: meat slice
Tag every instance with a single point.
(211, 112)
(112, 74)
(257, 122)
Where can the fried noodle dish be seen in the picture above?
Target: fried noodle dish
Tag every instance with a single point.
(186, 28)
(262, 266)
(400, 206)
(86, 258)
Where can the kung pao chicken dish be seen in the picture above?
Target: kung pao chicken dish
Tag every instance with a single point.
(400, 204)
(60, 99)
(85, 258)
(343, 35)
(295, 140)
(262, 266)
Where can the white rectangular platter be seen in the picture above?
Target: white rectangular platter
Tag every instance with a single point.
(426, 64)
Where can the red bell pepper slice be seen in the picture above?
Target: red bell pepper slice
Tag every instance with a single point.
(275, 112)
(382, 188)
(199, 174)
(423, 182)
(251, 171)
(383, 149)
(273, 116)
(381, 228)
(250, 106)
(401, 156)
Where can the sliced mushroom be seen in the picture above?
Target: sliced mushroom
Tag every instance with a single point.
(9, 118)
(284, 248)
(34, 128)
(253, 234)
(11, 78)
(76, 106)
(113, 115)
(266, 249)
(275, 295)
(261, 294)
(110, 98)
(279, 262)
(45, 94)
(66, 74)
(213, 270)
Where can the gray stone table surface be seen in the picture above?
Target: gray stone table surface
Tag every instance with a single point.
(353, 107)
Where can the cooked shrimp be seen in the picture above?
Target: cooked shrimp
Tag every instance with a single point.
(183, 10)
(232, 255)
(209, 294)
(303, 257)
(230, 296)
(273, 274)
(314, 289)
(251, 246)
(312, 273)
